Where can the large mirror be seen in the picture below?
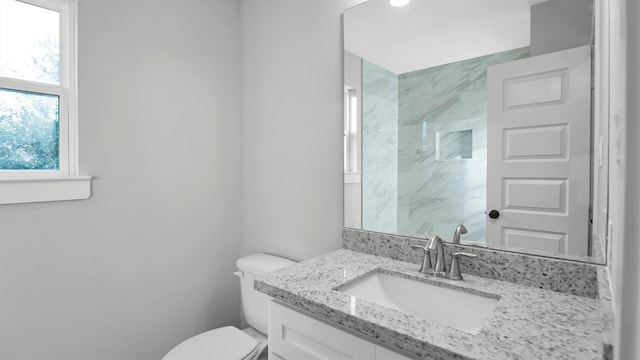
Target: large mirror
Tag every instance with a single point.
(484, 113)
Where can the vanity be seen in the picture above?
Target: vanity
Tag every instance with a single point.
(352, 305)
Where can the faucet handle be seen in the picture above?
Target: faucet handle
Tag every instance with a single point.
(426, 259)
(455, 274)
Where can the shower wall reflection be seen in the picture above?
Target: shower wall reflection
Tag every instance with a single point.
(424, 147)
(379, 148)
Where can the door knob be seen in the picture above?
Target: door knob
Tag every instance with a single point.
(494, 214)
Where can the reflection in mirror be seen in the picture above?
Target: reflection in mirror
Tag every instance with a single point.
(452, 116)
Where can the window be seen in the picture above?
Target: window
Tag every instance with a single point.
(38, 138)
(350, 131)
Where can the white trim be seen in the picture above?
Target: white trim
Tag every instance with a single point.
(29, 190)
(72, 23)
(352, 177)
(54, 5)
(32, 86)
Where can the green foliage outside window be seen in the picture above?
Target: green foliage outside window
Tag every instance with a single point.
(30, 122)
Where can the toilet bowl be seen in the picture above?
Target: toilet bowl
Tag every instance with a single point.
(231, 343)
(222, 343)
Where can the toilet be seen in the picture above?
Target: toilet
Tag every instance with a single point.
(231, 343)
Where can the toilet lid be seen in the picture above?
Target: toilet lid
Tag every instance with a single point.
(223, 343)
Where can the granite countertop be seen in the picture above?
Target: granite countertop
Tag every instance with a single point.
(527, 323)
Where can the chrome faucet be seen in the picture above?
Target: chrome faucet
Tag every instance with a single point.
(425, 267)
(439, 269)
(436, 244)
(460, 229)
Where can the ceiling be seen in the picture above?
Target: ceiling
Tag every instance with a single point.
(427, 33)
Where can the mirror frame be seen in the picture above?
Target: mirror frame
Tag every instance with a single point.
(600, 181)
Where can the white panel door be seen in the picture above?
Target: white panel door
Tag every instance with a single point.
(538, 157)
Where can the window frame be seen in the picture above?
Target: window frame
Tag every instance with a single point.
(65, 183)
(350, 147)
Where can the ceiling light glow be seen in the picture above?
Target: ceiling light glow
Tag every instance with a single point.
(398, 3)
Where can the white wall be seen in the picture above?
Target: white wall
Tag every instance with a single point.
(625, 134)
(147, 260)
(617, 154)
(560, 25)
(292, 126)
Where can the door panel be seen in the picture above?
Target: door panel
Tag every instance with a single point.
(544, 195)
(535, 143)
(538, 166)
(536, 240)
(535, 89)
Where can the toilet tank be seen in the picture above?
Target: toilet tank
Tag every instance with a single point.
(254, 303)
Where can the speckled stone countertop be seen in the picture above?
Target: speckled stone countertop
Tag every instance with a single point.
(527, 323)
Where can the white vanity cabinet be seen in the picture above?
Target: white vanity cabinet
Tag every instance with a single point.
(294, 335)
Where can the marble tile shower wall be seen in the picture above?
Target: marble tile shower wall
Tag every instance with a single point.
(379, 148)
(442, 137)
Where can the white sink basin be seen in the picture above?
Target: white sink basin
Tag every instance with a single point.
(456, 309)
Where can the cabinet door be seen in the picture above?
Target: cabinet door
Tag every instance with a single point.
(294, 336)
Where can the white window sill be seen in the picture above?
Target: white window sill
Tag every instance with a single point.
(30, 190)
